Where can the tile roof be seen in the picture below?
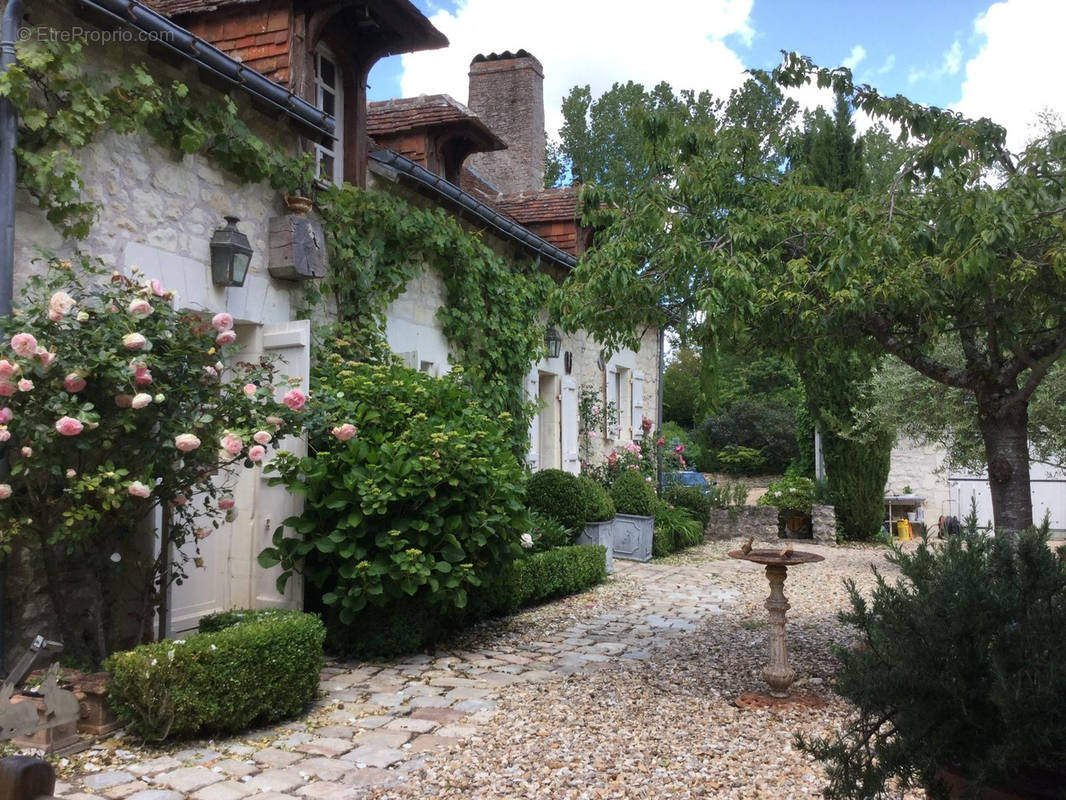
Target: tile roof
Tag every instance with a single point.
(549, 204)
(386, 117)
(173, 7)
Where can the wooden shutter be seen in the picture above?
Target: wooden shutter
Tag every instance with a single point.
(638, 404)
(533, 395)
(612, 397)
(571, 458)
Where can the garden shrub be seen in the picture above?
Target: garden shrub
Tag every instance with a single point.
(675, 529)
(691, 498)
(543, 576)
(557, 494)
(597, 502)
(768, 427)
(416, 495)
(662, 543)
(632, 494)
(737, 459)
(673, 435)
(249, 672)
(546, 533)
(790, 494)
(856, 482)
(402, 626)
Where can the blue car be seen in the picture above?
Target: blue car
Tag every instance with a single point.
(686, 478)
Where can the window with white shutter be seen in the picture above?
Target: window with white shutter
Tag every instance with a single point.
(638, 404)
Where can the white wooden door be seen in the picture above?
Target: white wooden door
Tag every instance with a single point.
(290, 342)
(569, 423)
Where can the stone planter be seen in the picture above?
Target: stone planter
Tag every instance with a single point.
(95, 717)
(633, 537)
(600, 533)
(56, 739)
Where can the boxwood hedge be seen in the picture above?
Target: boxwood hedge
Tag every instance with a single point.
(255, 668)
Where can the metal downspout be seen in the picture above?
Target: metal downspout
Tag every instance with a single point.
(12, 21)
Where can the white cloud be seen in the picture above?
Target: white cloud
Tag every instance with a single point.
(1017, 72)
(595, 42)
(858, 53)
(950, 64)
(890, 62)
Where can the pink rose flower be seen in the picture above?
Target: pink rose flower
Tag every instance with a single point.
(202, 533)
(679, 449)
(46, 357)
(294, 399)
(661, 442)
(275, 421)
(142, 377)
(5, 434)
(345, 432)
(24, 344)
(256, 452)
(74, 383)
(261, 437)
(68, 426)
(225, 338)
(140, 400)
(6, 415)
(71, 474)
(60, 304)
(139, 307)
(7, 369)
(54, 316)
(222, 321)
(211, 372)
(232, 443)
(249, 389)
(134, 341)
(226, 503)
(180, 500)
(138, 489)
(123, 400)
(5, 491)
(7, 388)
(186, 442)
(157, 288)
(25, 385)
(27, 452)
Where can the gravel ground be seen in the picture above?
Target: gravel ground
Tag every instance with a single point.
(666, 727)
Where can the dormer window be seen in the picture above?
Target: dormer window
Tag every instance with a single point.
(329, 96)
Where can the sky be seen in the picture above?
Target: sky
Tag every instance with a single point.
(1001, 60)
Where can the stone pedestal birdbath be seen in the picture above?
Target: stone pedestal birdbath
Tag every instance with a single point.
(777, 673)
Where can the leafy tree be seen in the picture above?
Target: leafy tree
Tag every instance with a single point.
(969, 246)
(681, 389)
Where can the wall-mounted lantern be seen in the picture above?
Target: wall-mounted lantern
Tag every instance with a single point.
(230, 255)
(554, 340)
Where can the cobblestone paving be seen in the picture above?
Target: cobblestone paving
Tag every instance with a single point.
(383, 728)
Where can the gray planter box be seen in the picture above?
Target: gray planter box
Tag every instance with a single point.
(601, 533)
(632, 537)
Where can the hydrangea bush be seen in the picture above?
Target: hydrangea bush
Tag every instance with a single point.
(113, 404)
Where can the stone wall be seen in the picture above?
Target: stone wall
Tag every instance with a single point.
(758, 522)
(824, 524)
(924, 469)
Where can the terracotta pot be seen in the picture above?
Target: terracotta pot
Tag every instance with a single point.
(298, 204)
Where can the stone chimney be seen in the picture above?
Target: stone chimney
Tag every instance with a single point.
(507, 93)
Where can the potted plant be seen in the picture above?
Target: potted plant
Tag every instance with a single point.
(634, 502)
(792, 496)
(959, 675)
(294, 178)
(599, 518)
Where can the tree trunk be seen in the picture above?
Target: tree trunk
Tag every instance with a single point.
(1005, 430)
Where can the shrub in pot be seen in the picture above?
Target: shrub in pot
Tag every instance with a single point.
(557, 494)
(960, 670)
(599, 518)
(635, 503)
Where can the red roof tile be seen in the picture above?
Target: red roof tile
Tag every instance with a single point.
(549, 204)
(386, 117)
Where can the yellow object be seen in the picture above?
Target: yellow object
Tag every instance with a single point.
(903, 529)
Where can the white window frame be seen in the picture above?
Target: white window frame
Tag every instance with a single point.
(334, 149)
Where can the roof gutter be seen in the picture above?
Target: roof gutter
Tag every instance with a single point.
(163, 32)
(475, 208)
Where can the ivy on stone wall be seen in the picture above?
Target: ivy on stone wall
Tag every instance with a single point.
(378, 241)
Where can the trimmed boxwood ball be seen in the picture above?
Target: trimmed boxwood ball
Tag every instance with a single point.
(255, 668)
(558, 495)
(632, 494)
(599, 507)
(691, 498)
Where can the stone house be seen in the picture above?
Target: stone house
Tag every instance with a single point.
(297, 71)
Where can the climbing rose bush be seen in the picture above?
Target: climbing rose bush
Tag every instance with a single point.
(113, 404)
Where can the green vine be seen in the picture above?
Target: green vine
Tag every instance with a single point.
(377, 241)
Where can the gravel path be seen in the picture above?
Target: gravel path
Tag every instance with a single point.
(626, 691)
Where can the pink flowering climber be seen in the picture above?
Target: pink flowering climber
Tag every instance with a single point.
(134, 341)
(232, 443)
(256, 452)
(25, 385)
(6, 415)
(59, 305)
(249, 389)
(141, 400)
(226, 503)
(157, 288)
(5, 434)
(186, 442)
(139, 307)
(222, 322)
(24, 344)
(142, 377)
(7, 369)
(262, 437)
(68, 426)
(294, 399)
(46, 357)
(5, 491)
(138, 489)
(225, 338)
(74, 383)
(345, 432)
(7, 388)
